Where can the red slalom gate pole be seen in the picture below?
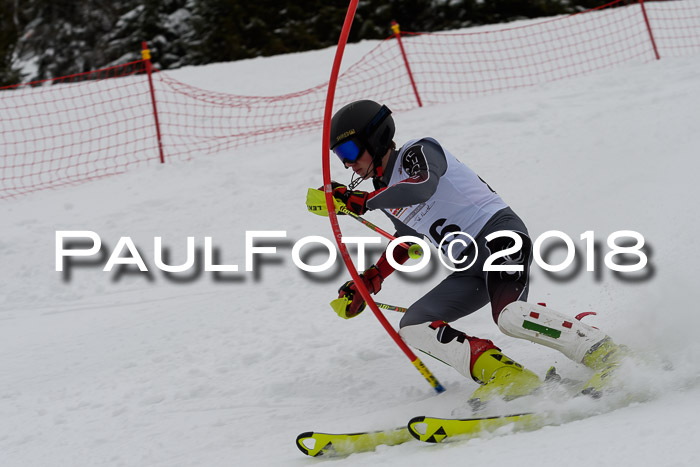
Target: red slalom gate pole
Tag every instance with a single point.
(332, 216)
(651, 34)
(397, 32)
(146, 55)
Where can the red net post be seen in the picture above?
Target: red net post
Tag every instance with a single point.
(651, 34)
(146, 55)
(676, 26)
(68, 130)
(397, 33)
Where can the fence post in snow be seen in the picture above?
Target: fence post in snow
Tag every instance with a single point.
(397, 33)
(146, 56)
(651, 34)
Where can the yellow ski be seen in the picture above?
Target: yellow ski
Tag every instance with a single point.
(435, 430)
(328, 444)
(428, 429)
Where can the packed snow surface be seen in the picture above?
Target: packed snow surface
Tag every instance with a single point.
(126, 368)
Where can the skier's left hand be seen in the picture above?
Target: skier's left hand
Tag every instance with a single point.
(350, 302)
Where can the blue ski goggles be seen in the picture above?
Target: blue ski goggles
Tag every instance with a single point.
(348, 151)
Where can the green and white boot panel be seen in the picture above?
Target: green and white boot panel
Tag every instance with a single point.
(548, 327)
(578, 341)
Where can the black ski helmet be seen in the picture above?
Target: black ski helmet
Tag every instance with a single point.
(369, 123)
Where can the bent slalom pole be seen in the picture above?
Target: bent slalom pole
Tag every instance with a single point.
(333, 218)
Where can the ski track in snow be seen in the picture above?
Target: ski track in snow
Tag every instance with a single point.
(136, 369)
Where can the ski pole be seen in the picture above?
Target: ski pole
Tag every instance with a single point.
(385, 306)
(315, 203)
(414, 251)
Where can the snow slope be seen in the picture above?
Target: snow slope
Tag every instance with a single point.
(197, 368)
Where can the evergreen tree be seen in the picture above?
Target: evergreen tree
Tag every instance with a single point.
(163, 24)
(9, 25)
(61, 37)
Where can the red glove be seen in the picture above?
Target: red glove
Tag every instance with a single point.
(372, 279)
(355, 201)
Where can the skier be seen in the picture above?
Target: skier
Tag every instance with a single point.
(427, 192)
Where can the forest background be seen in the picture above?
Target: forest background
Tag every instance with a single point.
(43, 39)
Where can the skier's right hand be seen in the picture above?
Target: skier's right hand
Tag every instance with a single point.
(355, 200)
(350, 302)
